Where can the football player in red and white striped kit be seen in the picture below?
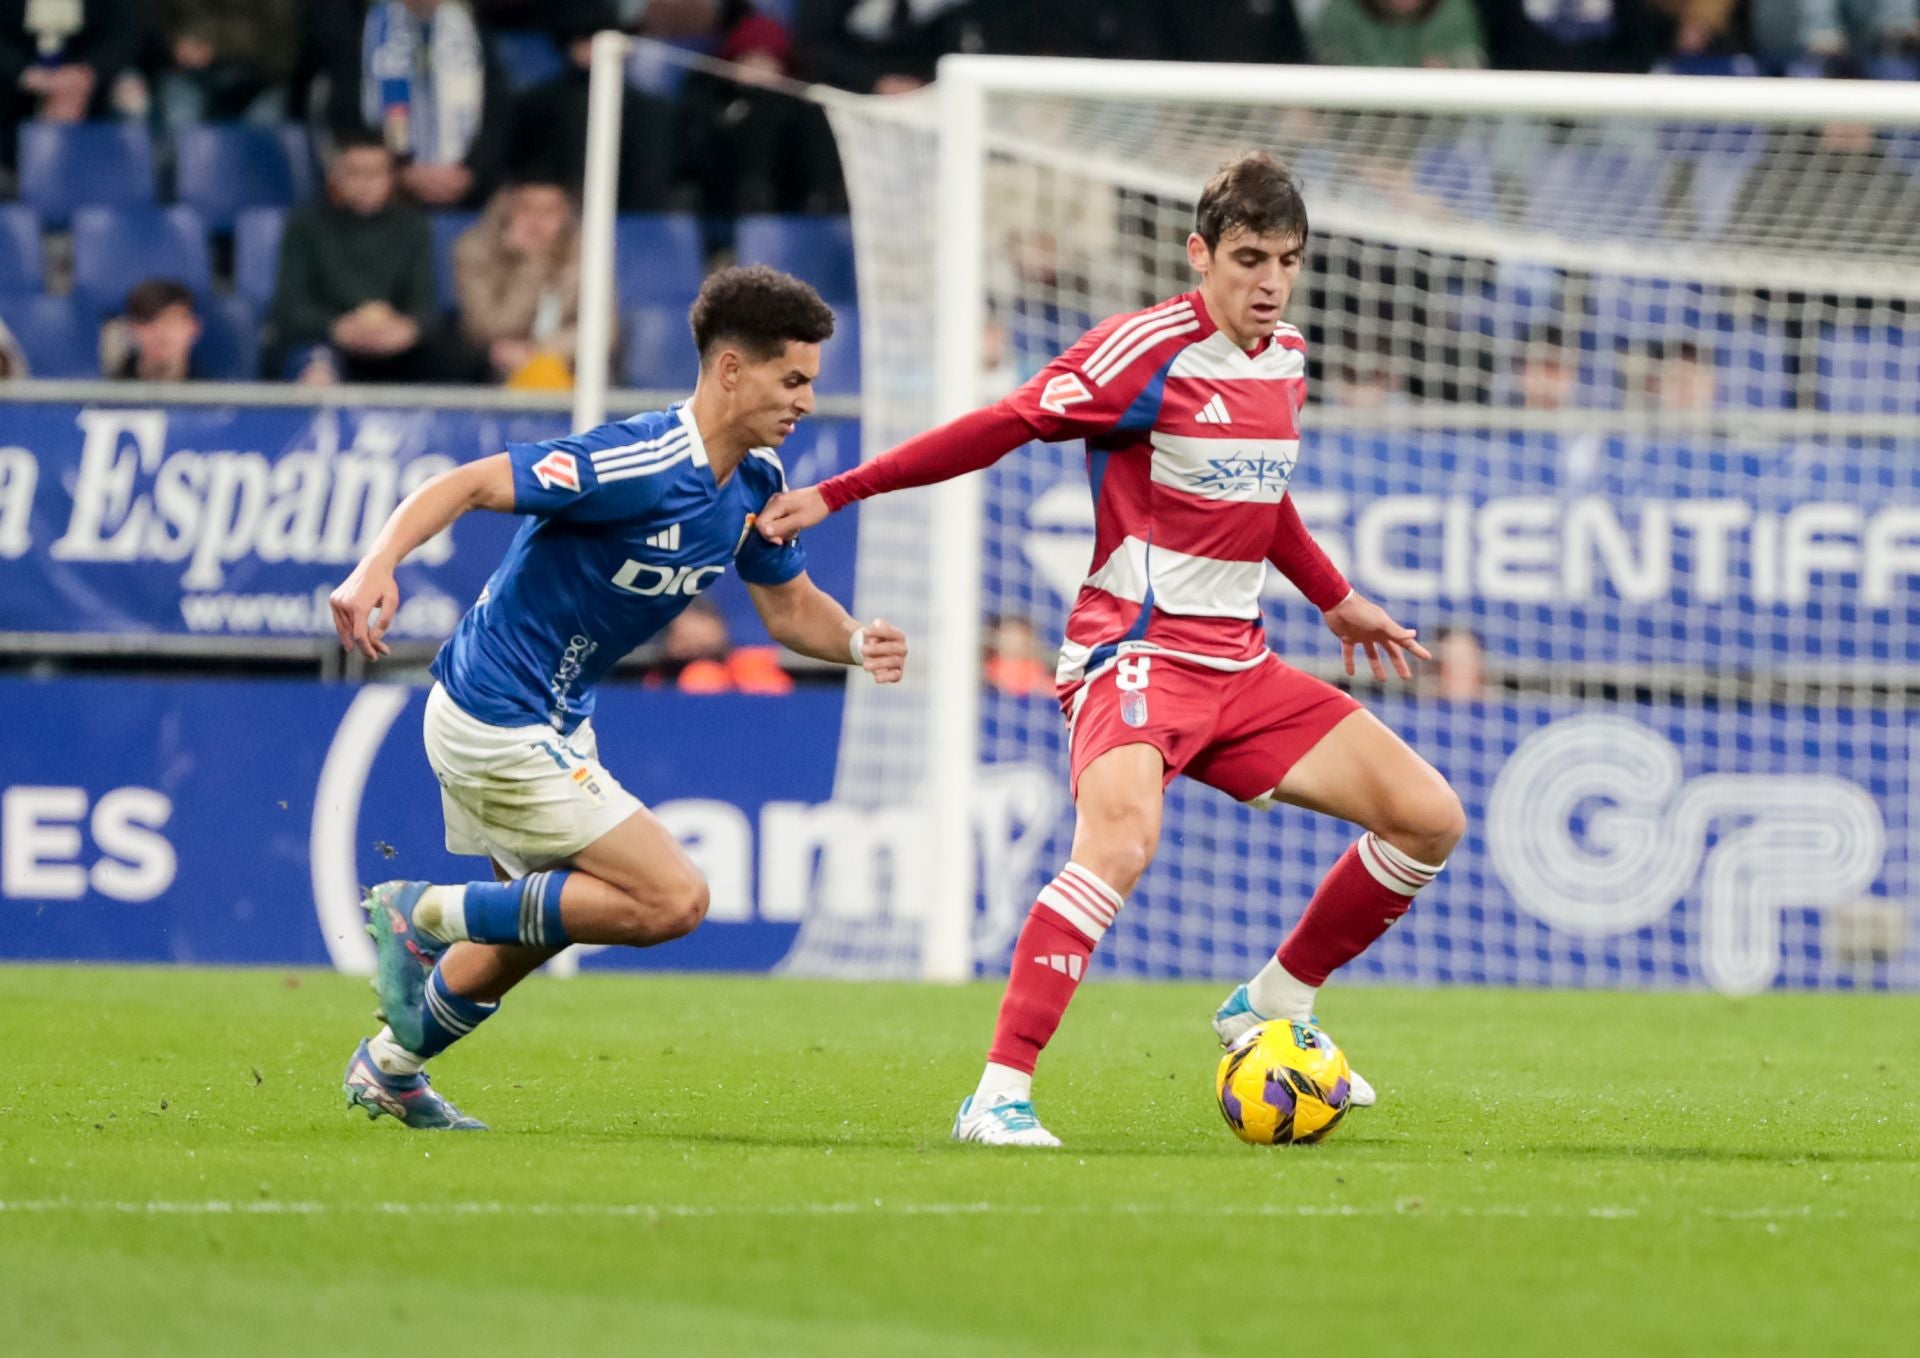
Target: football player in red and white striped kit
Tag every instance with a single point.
(1190, 413)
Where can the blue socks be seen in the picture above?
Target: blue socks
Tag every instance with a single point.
(447, 1017)
(526, 911)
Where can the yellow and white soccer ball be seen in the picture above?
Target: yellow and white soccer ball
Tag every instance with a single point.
(1283, 1084)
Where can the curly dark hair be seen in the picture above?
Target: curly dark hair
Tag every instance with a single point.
(1255, 192)
(758, 309)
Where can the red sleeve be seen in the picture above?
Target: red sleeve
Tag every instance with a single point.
(1302, 561)
(1082, 393)
(969, 444)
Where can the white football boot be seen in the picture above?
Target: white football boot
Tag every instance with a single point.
(1004, 1122)
(1237, 1015)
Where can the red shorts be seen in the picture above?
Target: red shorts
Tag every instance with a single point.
(1237, 730)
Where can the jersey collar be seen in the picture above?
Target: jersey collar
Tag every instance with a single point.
(685, 416)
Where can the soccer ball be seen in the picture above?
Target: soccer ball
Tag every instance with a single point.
(1283, 1084)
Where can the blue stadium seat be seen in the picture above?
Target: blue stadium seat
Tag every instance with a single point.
(1642, 310)
(448, 227)
(57, 342)
(115, 248)
(1868, 370)
(229, 348)
(657, 348)
(1754, 369)
(658, 257)
(818, 249)
(256, 253)
(1519, 297)
(21, 267)
(528, 58)
(1460, 176)
(300, 159)
(225, 168)
(840, 357)
(1588, 193)
(64, 166)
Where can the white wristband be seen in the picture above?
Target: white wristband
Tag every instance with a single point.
(857, 644)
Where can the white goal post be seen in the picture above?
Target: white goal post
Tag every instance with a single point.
(1437, 198)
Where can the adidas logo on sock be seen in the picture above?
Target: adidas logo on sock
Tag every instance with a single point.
(1064, 963)
(667, 539)
(1214, 411)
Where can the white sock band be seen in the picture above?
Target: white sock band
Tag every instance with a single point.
(1277, 994)
(1082, 900)
(999, 1083)
(441, 913)
(1393, 869)
(391, 1057)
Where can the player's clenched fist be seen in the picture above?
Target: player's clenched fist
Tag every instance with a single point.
(883, 651)
(790, 512)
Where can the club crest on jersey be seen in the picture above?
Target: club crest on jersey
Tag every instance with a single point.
(1133, 708)
(1242, 474)
(557, 469)
(1063, 391)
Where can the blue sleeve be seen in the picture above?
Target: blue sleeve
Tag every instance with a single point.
(602, 476)
(761, 562)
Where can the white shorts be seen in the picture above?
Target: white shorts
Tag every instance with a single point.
(525, 796)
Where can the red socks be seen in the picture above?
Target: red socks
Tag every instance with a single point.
(1052, 955)
(1368, 889)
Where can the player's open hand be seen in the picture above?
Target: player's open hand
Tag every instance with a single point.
(368, 590)
(883, 651)
(789, 513)
(1362, 623)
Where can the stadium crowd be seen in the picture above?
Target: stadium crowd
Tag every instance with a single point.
(384, 190)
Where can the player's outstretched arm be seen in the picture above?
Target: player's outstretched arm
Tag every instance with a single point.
(371, 589)
(970, 443)
(805, 618)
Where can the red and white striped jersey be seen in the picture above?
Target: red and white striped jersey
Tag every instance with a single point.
(1191, 441)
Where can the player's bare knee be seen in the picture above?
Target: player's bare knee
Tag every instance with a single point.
(1426, 824)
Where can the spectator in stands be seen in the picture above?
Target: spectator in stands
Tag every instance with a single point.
(1236, 30)
(548, 139)
(1016, 663)
(13, 358)
(697, 655)
(155, 338)
(1837, 37)
(872, 46)
(1599, 35)
(1677, 376)
(230, 59)
(1460, 665)
(746, 147)
(1549, 372)
(429, 85)
(517, 275)
(355, 296)
(1399, 33)
(63, 62)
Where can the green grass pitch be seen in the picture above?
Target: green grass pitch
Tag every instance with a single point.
(689, 1165)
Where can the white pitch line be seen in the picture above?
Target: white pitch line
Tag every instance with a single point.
(871, 1207)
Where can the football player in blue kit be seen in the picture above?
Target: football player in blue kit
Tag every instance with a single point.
(624, 525)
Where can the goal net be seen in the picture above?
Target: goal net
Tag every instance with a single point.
(1611, 394)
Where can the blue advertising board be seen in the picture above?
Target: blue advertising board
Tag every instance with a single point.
(154, 821)
(1646, 845)
(228, 522)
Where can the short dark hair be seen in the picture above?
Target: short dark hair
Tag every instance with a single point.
(1253, 192)
(358, 139)
(154, 295)
(759, 309)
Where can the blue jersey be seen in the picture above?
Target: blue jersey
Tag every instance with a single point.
(626, 526)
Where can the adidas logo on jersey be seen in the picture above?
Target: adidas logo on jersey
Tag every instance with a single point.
(1065, 964)
(667, 539)
(1214, 411)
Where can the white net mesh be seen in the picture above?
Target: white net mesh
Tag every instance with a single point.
(1617, 406)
